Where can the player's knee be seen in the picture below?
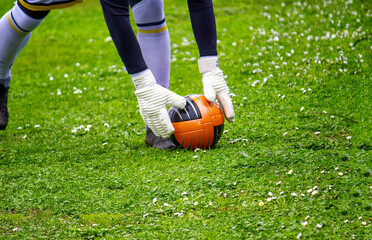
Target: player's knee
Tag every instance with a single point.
(148, 11)
(32, 13)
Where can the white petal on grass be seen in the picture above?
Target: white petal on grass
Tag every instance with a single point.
(108, 39)
(304, 223)
(314, 192)
(319, 226)
(290, 171)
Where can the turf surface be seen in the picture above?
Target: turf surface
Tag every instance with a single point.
(295, 164)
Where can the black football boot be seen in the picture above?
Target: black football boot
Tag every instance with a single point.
(157, 142)
(3, 107)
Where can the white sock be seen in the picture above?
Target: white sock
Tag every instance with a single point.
(15, 29)
(153, 37)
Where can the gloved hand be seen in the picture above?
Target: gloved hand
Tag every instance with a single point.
(215, 86)
(153, 99)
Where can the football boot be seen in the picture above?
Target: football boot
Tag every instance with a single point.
(3, 107)
(157, 142)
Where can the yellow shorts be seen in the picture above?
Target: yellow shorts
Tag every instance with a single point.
(45, 5)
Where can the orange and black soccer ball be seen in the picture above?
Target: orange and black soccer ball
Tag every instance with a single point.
(198, 125)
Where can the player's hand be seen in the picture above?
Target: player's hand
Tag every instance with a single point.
(215, 86)
(153, 99)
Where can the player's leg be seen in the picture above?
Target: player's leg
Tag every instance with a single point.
(116, 13)
(15, 27)
(204, 26)
(153, 37)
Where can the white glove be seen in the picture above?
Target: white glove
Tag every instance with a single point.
(215, 86)
(153, 99)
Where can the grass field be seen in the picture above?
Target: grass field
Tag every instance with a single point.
(296, 164)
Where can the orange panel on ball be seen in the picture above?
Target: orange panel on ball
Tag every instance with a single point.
(198, 125)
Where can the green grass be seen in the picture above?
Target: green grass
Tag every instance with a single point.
(306, 156)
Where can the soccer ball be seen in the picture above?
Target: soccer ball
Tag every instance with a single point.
(198, 125)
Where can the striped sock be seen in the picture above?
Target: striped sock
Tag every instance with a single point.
(15, 28)
(153, 37)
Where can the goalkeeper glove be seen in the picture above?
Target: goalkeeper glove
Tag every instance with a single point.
(153, 99)
(215, 86)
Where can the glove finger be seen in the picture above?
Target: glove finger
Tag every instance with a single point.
(142, 111)
(152, 123)
(227, 106)
(160, 123)
(175, 100)
(209, 93)
(167, 127)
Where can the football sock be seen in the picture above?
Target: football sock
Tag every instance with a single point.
(153, 37)
(15, 29)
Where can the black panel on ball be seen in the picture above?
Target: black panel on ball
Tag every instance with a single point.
(218, 130)
(190, 112)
